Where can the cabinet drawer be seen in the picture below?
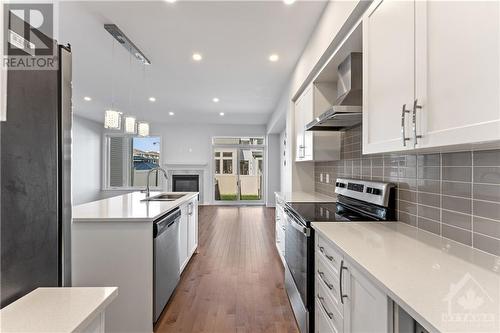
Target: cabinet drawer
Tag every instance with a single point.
(325, 250)
(325, 306)
(326, 277)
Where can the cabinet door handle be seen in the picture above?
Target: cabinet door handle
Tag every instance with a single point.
(322, 250)
(322, 276)
(342, 267)
(414, 121)
(403, 127)
(328, 313)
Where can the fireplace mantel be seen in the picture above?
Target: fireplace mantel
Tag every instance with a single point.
(196, 168)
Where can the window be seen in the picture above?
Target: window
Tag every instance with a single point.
(129, 159)
(253, 141)
(225, 160)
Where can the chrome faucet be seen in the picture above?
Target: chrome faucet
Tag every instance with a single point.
(149, 173)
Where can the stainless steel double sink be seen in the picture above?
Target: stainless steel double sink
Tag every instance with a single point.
(164, 197)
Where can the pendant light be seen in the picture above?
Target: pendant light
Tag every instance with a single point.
(112, 117)
(130, 125)
(143, 128)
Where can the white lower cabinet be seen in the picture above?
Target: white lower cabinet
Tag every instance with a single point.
(188, 232)
(280, 225)
(345, 300)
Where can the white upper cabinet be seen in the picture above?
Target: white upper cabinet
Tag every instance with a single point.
(388, 77)
(441, 60)
(299, 129)
(315, 146)
(457, 72)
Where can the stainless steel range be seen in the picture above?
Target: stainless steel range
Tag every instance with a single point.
(357, 201)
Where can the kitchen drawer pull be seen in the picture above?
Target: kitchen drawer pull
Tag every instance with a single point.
(328, 313)
(283, 228)
(414, 121)
(342, 267)
(403, 129)
(322, 249)
(322, 276)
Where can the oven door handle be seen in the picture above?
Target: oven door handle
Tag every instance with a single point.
(304, 230)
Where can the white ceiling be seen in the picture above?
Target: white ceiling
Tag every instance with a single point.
(234, 37)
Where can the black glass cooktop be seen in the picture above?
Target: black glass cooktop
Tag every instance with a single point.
(325, 212)
(344, 210)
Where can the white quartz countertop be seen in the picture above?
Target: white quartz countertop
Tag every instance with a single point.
(56, 309)
(128, 207)
(444, 285)
(305, 197)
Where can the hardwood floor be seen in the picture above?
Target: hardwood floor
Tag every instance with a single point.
(235, 283)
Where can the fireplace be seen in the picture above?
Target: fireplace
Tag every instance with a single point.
(185, 183)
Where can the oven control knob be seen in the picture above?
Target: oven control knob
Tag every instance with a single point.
(369, 190)
(339, 184)
(376, 191)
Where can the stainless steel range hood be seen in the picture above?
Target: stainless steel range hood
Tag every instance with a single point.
(347, 111)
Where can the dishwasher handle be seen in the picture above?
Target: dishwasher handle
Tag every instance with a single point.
(164, 222)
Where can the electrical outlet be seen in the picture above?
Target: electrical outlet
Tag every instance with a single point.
(327, 178)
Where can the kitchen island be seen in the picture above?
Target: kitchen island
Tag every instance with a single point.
(113, 245)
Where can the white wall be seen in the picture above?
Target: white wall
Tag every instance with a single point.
(273, 170)
(192, 144)
(87, 160)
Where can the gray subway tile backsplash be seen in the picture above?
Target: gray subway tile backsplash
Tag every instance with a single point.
(489, 175)
(456, 219)
(487, 192)
(455, 195)
(457, 174)
(457, 159)
(487, 158)
(456, 234)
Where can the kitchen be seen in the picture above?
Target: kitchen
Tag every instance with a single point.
(186, 198)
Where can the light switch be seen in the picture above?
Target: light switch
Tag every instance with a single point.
(327, 178)
(321, 177)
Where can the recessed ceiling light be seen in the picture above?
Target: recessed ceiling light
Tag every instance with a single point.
(274, 57)
(221, 114)
(152, 99)
(87, 98)
(170, 1)
(215, 100)
(288, 2)
(197, 57)
(171, 113)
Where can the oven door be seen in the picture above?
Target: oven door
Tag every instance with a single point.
(297, 252)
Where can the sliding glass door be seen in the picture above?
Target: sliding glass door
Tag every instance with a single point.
(238, 171)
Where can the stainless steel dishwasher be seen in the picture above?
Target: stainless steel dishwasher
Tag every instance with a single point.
(166, 259)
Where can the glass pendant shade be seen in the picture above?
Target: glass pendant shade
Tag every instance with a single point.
(112, 119)
(143, 128)
(130, 125)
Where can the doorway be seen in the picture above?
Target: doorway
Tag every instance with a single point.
(238, 171)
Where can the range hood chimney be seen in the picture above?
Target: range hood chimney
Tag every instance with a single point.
(347, 111)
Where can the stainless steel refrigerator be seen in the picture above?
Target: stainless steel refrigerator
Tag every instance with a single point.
(35, 143)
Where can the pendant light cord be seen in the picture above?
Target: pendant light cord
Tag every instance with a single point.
(112, 75)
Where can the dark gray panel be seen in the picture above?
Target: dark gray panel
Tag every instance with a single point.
(29, 195)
